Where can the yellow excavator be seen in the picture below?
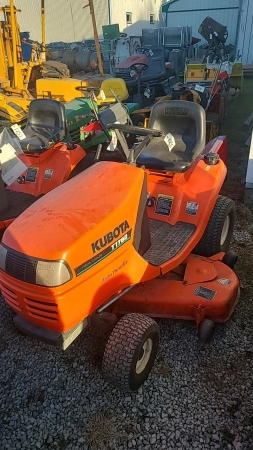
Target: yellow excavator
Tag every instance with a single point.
(17, 78)
(21, 81)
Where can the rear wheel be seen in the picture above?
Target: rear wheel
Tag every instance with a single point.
(131, 351)
(218, 233)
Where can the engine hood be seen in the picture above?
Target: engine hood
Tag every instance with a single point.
(73, 217)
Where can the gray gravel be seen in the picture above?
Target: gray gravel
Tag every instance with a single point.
(197, 397)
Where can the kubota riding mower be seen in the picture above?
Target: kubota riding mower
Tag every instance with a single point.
(138, 240)
(44, 161)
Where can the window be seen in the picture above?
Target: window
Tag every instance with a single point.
(152, 18)
(128, 17)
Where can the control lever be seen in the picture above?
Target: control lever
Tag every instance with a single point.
(98, 153)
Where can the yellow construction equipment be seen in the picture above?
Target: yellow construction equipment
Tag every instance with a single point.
(21, 81)
(17, 78)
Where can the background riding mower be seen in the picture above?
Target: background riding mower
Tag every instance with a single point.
(47, 161)
(42, 160)
(138, 240)
(109, 106)
(148, 74)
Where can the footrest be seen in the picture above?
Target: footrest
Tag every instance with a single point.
(167, 240)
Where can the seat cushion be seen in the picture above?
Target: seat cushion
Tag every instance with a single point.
(157, 156)
(36, 143)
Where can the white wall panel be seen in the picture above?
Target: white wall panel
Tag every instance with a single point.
(66, 20)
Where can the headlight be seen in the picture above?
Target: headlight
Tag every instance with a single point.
(52, 273)
(32, 270)
(3, 252)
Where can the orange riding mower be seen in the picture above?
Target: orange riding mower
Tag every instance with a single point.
(121, 244)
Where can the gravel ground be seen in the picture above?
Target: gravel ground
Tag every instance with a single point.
(197, 397)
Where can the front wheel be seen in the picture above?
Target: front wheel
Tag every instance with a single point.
(219, 230)
(131, 351)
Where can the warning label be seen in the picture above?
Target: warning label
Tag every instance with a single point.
(191, 208)
(48, 173)
(224, 281)
(204, 292)
(31, 174)
(164, 204)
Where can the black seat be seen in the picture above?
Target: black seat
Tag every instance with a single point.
(46, 125)
(156, 64)
(186, 122)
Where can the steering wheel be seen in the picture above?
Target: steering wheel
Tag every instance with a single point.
(142, 51)
(139, 67)
(134, 130)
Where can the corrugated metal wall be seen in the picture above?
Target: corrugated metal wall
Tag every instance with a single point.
(193, 12)
(245, 41)
(66, 20)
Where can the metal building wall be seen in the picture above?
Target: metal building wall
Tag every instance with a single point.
(193, 12)
(66, 20)
(245, 41)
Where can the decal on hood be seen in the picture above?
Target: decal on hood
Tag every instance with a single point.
(103, 254)
(109, 237)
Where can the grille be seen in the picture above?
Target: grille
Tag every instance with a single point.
(41, 310)
(10, 297)
(21, 267)
(75, 135)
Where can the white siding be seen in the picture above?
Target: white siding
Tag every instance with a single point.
(66, 20)
(140, 9)
(245, 46)
(192, 13)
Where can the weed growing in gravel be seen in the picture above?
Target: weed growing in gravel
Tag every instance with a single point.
(101, 430)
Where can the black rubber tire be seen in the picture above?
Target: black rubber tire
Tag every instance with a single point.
(230, 259)
(206, 331)
(210, 243)
(123, 350)
(138, 120)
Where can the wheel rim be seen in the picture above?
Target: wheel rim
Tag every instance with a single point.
(225, 230)
(143, 356)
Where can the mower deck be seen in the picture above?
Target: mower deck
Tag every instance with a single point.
(197, 289)
(167, 240)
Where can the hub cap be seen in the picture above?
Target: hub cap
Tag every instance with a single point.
(225, 230)
(144, 356)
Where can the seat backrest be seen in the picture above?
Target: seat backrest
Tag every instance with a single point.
(156, 51)
(186, 121)
(48, 115)
(119, 87)
(116, 113)
(156, 69)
